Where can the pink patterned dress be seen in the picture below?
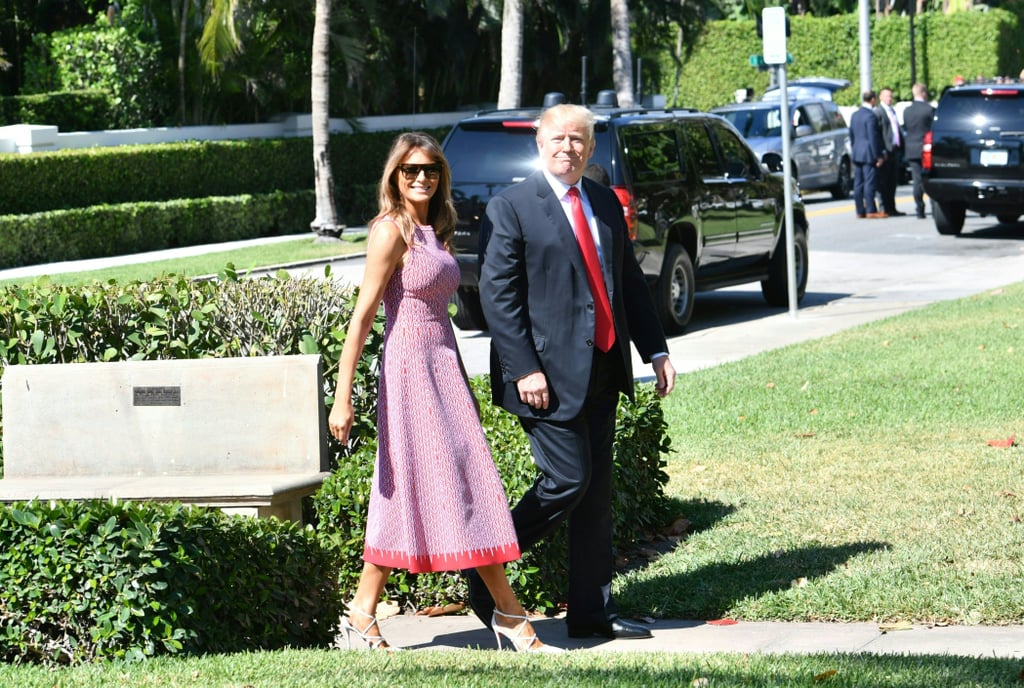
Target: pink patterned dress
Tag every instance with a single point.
(437, 502)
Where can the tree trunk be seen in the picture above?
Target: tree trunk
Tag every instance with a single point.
(622, 56)
(510, 88)
(325, 224)
(182, 31)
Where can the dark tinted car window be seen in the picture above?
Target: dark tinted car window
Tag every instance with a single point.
(756, 122)
(738, 162)
(481, 157)
(653, 155)
(702, 150)
(1004, 112)
(817, 118)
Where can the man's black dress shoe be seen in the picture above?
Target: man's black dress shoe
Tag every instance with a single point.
(896, 213)
(613, 628)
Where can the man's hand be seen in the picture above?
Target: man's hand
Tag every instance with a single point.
(664, 375)
(533, 390)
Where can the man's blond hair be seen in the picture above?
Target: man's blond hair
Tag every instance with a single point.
(567, 114)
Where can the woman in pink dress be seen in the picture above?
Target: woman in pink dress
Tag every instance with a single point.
(437, 502)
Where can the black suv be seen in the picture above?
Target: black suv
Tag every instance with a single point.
(973, 157)
(702, 211)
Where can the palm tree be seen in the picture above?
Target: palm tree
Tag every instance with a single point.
(325, 223)
(510, 88)
(622, 57)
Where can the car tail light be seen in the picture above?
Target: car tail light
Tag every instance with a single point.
(1000, 92)
(519, 124)
(926, 151)
(628, 208)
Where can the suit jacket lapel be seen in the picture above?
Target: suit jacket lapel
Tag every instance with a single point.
(552, 207)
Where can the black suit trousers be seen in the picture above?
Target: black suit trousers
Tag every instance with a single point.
(575, 482)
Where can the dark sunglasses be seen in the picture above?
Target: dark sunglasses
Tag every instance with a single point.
(412, 172)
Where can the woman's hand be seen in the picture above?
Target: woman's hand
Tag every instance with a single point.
(340, 422)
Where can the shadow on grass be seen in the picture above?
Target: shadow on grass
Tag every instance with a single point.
(710, 592)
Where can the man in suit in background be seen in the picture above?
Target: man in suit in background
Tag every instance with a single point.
(564, 296)
(892, 139)
(868, 156)
(917, 121)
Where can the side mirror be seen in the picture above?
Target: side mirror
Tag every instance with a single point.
(804, 130)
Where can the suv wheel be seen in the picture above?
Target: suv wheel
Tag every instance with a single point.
(776, 288)
(469, 315)
(675, 290)
(949, 217)
(1007, 218)
(845, 182)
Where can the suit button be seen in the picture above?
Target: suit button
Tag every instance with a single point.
(590, 307)
(590, 342)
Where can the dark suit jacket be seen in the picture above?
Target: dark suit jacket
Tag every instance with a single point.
(865, 137)
(885, 125)
(917, 120)
(535, 296)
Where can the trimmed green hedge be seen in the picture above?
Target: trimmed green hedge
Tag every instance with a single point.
(110, 230)
(965, 43)
(67, 110)
(82, 581)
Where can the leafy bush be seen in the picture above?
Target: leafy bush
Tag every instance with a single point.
(67, 110)
(104, 59)
(81, 581)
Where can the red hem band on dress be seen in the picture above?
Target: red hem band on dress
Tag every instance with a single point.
(451, 561)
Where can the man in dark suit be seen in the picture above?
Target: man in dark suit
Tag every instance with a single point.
(564, 296)
(917, 121)
(892, 140)
(868, 156)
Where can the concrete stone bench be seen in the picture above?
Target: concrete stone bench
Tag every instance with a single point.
(247, 435)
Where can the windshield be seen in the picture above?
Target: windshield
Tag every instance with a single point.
(1002, 111)
(754, 123)
(491, 155)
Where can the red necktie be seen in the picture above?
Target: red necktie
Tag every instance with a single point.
(604, 329)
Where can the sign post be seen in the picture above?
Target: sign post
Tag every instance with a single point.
(775, 28)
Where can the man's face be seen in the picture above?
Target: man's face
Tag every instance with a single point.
(565, 148)
(886, 96)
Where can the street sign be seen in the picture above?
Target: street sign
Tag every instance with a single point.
(773, 21)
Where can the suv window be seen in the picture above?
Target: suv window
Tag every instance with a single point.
(698, 140)
(738, 161)
(481, 156)
(816, 117)
(988, 112)
(653, 155)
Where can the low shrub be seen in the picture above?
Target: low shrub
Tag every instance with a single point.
(111, 230)
(81, 581)
(67, 110)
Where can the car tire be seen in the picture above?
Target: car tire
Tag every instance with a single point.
(845, 182)
(949, 217)
(1007, 218)
(675, 290)
(776, 288)
(469, 315)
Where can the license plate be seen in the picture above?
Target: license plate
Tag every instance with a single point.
(991, 158)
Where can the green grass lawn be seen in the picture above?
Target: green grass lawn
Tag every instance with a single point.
(849, 478)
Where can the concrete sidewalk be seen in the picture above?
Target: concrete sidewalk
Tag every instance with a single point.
(465, 631)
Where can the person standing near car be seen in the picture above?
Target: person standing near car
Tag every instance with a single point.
(868, 156)
(563, 296)
(892, 139)
(917, 121)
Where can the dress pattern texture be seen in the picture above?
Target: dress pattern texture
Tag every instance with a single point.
(437, 502)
